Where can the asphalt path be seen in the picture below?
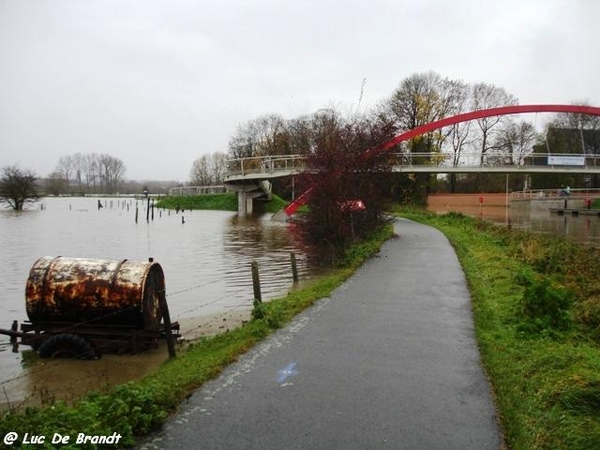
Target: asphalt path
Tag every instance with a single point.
(389, 361)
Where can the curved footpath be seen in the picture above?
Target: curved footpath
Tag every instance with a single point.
(389, 361)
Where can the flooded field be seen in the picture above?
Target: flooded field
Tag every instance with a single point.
(534, 215)
(205, 257)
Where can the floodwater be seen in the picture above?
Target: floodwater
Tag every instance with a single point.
(205, 256)
(206, 259)
(534, 215)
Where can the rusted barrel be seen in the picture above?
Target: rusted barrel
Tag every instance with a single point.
(95, 292)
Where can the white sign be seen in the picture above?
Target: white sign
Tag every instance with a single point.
(566, 160)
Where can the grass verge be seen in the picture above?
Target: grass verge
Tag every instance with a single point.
(137, 408)
(223, 202)
(536, 304)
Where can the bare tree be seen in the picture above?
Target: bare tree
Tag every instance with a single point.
(56, 183)
(486, 96)
(413, 103)
(219, 167)
(453, 96)
(110, 171)
(300, 135)
(92, 171)
(458, 140)
(266, 135)
(421, 99)
(66, 167)
(516, 141)
(200, 175)
(91, 168)
(78, 168)
(17, 187)
(577, 121)
(84, 167)
(272, 136)
(242, 143)
(209, 170)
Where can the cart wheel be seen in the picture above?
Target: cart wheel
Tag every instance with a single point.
(67, 345)
(35, 344)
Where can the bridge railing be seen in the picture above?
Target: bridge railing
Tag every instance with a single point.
(529, 194)
(197, 190)
(471, 160)
(474, 160)
(265, 164)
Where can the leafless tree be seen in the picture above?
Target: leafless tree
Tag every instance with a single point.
(486, 96)
(576, 121)
(209, 170)
(56, 183)
(219, 167)
(516, 141)
(421, 99)
(413, 103)
(200, 175)
(66, 167)
(300, 135)
(92, 171)
(78, 165)
(17, 187)
(266, 135)
(110, 171)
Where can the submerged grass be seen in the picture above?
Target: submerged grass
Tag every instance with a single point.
(545, 373)
(137, 408)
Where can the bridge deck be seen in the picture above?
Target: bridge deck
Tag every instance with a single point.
(269, 167)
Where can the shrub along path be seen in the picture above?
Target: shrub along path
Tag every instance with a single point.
(389, 361)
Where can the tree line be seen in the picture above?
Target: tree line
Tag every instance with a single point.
(77, 173)
(420, 99)
(87, 173)
(353, 188)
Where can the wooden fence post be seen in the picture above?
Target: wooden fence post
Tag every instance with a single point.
(162, 301)
(256, 282)
(294, 267)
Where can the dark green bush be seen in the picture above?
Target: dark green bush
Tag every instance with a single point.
(545, 304)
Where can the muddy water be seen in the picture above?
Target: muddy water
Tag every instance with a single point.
(205, 256)
(534, 215)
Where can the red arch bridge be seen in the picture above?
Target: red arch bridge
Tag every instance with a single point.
(250, 176)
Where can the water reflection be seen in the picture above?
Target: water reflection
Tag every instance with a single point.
(274, 243)
(205, 257)
(533, 216)
(585, 229)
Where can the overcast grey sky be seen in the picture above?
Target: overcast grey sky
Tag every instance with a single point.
(158, 83)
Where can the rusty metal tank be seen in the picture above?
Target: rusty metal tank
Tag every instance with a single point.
(95, 292)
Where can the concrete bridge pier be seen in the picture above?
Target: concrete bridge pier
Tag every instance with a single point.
(245, 203)
(247, 193)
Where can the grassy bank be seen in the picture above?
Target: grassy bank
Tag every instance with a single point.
(222, 202)
(536, 303)
(136, 408)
